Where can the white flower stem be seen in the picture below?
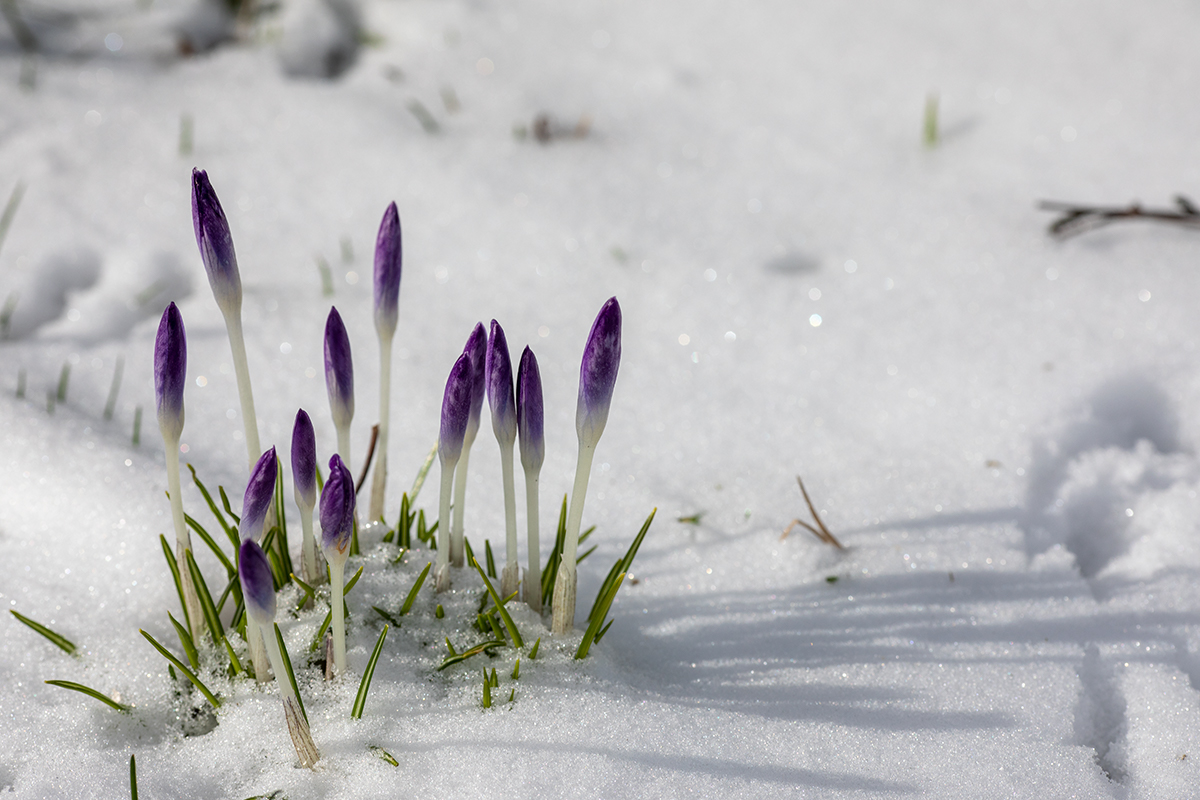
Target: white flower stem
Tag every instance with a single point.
(183, 540)
(457, 551)
(337, 571)
(313, 573)
(533, 574)
(237, 345)
(511, 576)
(441, 572)
(258, 654)
(564, 585)
(306, 750)
(379, 481)
(343, 437)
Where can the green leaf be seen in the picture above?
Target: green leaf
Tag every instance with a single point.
(412, 593)
(309, 592)
(391, 620)
(421, 473)
(132, 778)
(586, 553)
(234, 586)
(166, 548)
(287, 667)
(604, 630)
(384, 754)
(225, 502)
(516, 673)
(623, 566)
(234, 662)
(504, 615)
(316, 642)
(285, 556)
(57, 639)
(470, 552)
(350, 583)
(598, 619)
(206, 601)
(208, 540)
(191, 676)
(550, 573)
(495, 678)
(491, 562)
(365, 685)
(534, 651)
(90, 692)
(487, 690)
(458, 658)
(229, 530)
(185, 638)
(400, 556)
(439, 612)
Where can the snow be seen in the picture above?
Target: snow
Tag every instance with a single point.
(996, 424)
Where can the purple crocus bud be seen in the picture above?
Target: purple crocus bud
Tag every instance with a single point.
(529, 412)
(598, 373)
(456, 409)
(387, 272)
(337, 507)
(339, 370)
(500, 386)
(304, 460)
(476, 351)
(258, 586)
(216, 244)
(170, 372)
(260, 491)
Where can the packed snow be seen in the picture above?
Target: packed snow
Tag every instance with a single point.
(998, 425)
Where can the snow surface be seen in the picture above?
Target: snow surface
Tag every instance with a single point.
(999, 426)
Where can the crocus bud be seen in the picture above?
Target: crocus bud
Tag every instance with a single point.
(258, 587)
(456, 409)
(500, 386)
(476, 351)
(216, 244)
(529, 413)
(598, 373)
(304, 461)
(387, 272)
(170, 372)
(337, 508)
(260, 491)
(339, 370)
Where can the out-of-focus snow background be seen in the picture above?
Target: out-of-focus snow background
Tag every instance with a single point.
(1000, 426)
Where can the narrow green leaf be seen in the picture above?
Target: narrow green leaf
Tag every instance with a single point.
(287, 667)
(487, 690)
(206, 601)
(470, 552)
(309, 592)
(497, 630)
(491, 561)
(391, 620)
(412, 593)
(90, 692)
(191, 676)
(495, 678)
(458, 658)
(384, 754)
(212, 506)
(512, 695)
(598, 619)
(604, 630)
(185, 639)
(365, 685)
(132, 778)
(234, 662)
(586, 553)
(234, 587)
(439, 612)
(533, 653)
(450, 647)
(421, 473)
(612, 574)
(166, 548)
(504, 615)
(400, 556)
(583, 537)
(225, 502)
(350, 583)
(550, 573)
(316, 642)
(212, 545)
(622, 566)
(57, 639)
(516, 673)
(285, 555)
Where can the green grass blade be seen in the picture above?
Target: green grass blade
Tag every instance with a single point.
(309, 592)
(230, 531)
(504, 615)
(90, 692)
(350, 583)
(287, 667)
(467, 547)
(534, 650)
(604, 630)
(487, 690)
(384, 754)
(491, 561)
(365, 685)
(550, 573)
(285, 556)
(234, 662)
(516, 673)
(191, 676)
(185, 639)
(586, 553)
(212, 545)
(421, 474)
(206, 602)
(458, 658)
(234, 587)
(316, 642)
(166, 548)
(604, 587)
(132, 778)
(412, 593)
(386, 615)
(594, 626)
(225, 502)
(627, 562)
(583, 537)
(57, 639)
(400, 556)
(495, 678)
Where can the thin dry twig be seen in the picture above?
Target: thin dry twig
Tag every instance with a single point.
(1077, 219)
(820, 531)
(367, 464)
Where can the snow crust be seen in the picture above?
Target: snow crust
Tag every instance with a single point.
(997, 425)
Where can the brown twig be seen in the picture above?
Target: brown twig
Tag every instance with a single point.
(820, 531)
(1078, 219)
(367, 464)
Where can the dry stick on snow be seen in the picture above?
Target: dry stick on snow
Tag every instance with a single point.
(362, 478)
(1078, 219)
(821, 532)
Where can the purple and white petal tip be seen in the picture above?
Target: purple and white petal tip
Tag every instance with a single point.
(215, 243)
(170, 371)
(476, 350)
(388, 263)
(339, 369)
(498, 367)
(337, 508)
(530, 414)
(258, 586)
(456, 411)
(260, 491)
(598, 373)
(304, 460)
